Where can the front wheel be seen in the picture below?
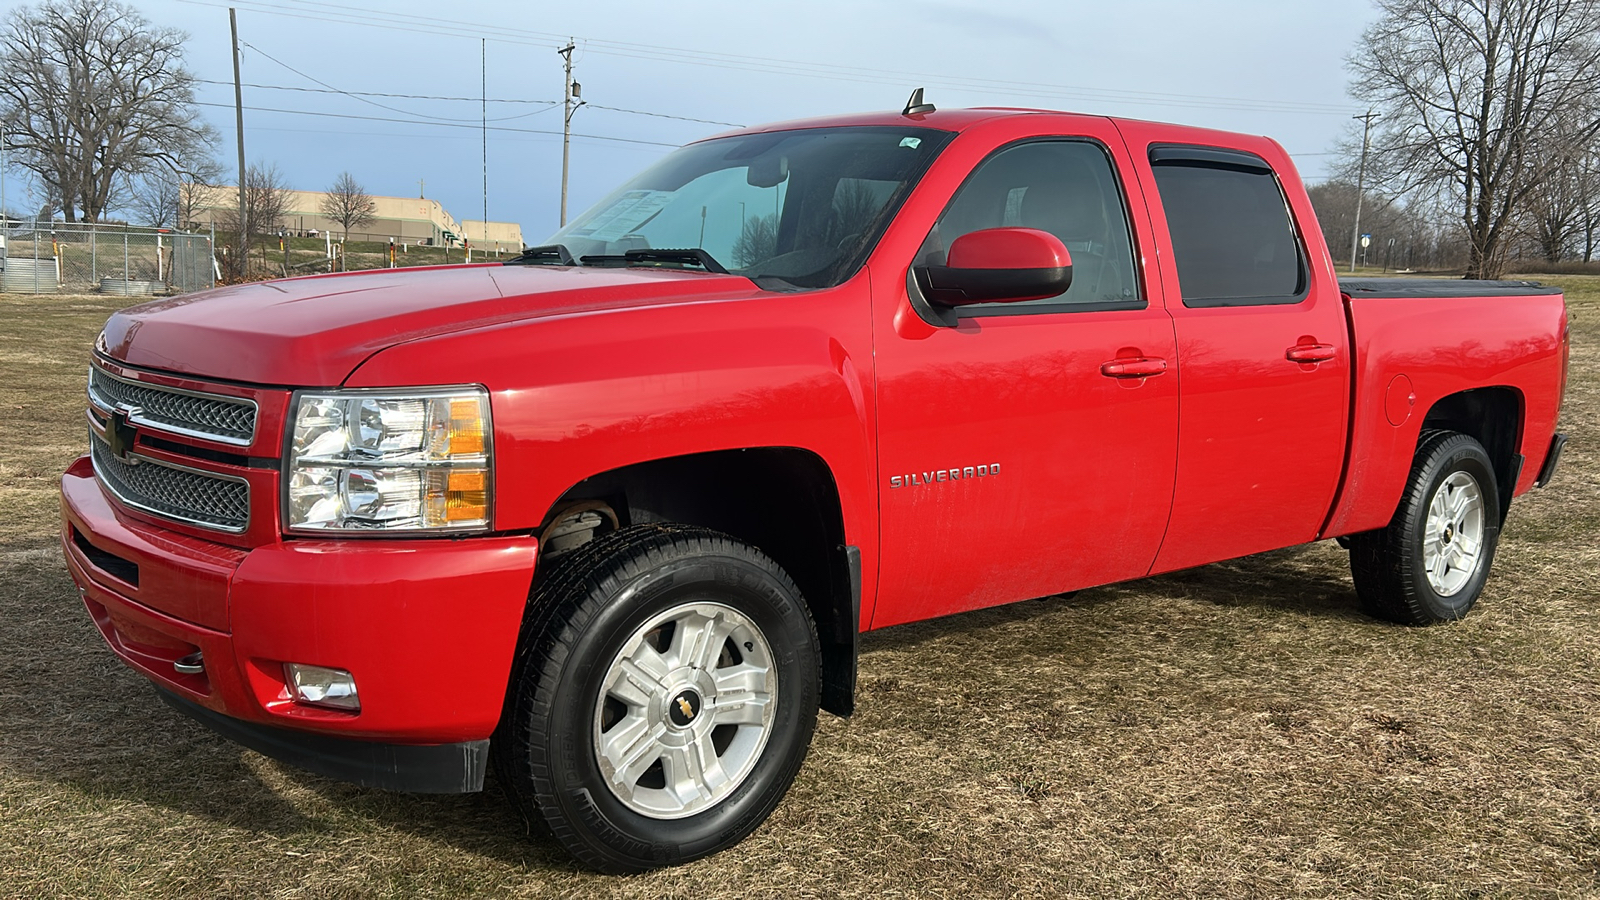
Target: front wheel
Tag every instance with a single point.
(664, 697)
(1429, 565)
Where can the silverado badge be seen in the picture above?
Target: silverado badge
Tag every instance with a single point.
(918, 479)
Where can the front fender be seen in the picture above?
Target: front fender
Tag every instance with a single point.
(579, 394)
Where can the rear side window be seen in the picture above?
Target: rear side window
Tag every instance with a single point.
(1232, 238)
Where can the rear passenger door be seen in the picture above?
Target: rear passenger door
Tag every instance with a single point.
(1263, 355)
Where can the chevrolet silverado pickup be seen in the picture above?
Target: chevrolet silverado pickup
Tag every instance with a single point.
(609, 518)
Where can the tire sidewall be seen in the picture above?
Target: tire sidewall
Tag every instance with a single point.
(587, 804)
(1465, 455)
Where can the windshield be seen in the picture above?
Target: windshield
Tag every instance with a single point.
(788, 209)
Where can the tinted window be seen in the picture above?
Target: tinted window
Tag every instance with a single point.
(1064, 187)
(1231, 234)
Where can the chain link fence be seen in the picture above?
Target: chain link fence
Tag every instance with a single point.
(133, 261)
(74, 258)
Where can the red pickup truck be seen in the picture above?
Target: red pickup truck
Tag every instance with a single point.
(613, 514)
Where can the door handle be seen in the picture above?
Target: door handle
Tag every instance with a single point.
(1311, 353)
(1135, 367)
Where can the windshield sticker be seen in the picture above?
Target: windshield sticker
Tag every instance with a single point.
(911, 143)
(625, 216)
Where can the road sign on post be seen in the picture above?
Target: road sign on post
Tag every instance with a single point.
(1366, 241)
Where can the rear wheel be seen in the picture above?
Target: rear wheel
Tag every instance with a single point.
(1430, 564)
(664, 697)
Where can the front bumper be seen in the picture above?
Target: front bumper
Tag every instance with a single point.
(419, 768)
(428, 627)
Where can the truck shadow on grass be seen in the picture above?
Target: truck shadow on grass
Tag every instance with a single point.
(93, 734)
(95, 740)
(1295, 582)
(75, 716)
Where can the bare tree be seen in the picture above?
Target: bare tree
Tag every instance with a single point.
(91, 95)
(1463, 87)
(197, 190)
(1382, 217)
(164, 198)
(1554, 214)
(1586, 190)
(154, 200)
(266, 199)
(348, 204)
(1405, 235)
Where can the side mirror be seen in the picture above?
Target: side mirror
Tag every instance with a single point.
(999, 265)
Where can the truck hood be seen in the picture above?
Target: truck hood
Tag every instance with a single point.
(314, 331)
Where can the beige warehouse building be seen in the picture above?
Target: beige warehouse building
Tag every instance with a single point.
(412, 220)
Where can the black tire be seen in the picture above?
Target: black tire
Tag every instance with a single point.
(584, 613)
(1391, 575)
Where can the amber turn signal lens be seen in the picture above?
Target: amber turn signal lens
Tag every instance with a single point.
(466, 506)
(466, 427)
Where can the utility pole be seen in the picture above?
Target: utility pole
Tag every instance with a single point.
(571, 91)
(483, 51)
(238, 116)
(1361, 178)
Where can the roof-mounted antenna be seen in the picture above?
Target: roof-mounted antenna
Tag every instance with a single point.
(915, 106)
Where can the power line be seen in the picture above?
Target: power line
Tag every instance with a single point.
(324, 90)
(349, 133)
(547, 104)
(640, 112)
(336, 90)
(305, 112)
(730, 60)
(436, 26)
(1042, 90)
(416, 137)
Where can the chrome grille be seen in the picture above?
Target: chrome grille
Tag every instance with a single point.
(226, 419)
(199, 498)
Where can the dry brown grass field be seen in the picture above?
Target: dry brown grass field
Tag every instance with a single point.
(1239, 729)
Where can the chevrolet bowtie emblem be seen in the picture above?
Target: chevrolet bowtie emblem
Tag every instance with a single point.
(685, 708)
(120, 434)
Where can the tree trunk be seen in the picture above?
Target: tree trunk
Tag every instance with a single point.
(1485, 260)
(1552, 244)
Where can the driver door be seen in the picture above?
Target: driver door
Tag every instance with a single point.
(1013, 464)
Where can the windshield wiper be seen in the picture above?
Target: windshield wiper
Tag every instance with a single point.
(549, 254)
(693, 256)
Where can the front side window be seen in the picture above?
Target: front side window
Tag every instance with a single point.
(1065, 187)
(1232, 239)
(787, 209)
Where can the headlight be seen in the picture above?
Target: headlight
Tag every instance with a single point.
(392, 461)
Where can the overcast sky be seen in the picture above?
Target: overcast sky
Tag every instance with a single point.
(1262, 66)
